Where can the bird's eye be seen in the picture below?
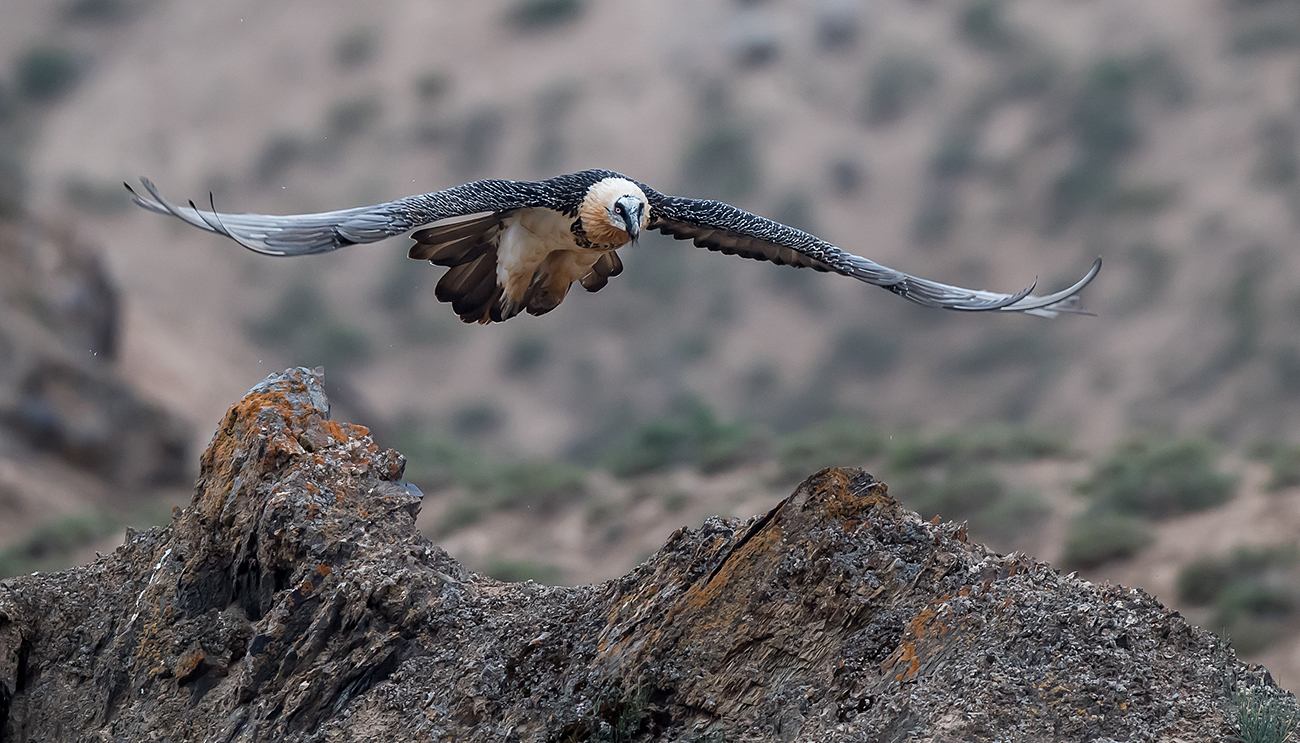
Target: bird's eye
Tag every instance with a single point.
(618, 208)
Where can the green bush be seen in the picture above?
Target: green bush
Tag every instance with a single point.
(992, 443)
(982, 25)
(692, 436)
(961, 493)
(357, 47)
(896, 84)
(519, 571)
(530, 15)
(46, 74)
(353, 116)
(835, 443)
(527, 355)
(1011, 517)
(480, 418)
(864, 352)
(1253, 590)
(722, 163)
(1099, 536)
(1159, 478)
(1285, 468)
(50, 546)
(462, 513)
(302, 325)
(537, 485)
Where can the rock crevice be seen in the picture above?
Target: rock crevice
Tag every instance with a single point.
(295, 600)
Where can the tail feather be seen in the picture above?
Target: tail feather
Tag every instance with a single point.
(471, 288)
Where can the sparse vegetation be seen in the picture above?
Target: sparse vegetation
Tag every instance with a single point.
(838, 26)
(981, 23)
(353, 116)
(693, 436)
(1100, 536)
(302, 326)
(1157, 478)
(479, 140)
(1253, 590)
(98, 11)
(1264, 714)
(722, 163)
(530, 15)
(1285, 472)
(45, 74)
(519, 571)
(896, 84)
(357, 47)
(528, 355)
(537, 485)
(834, 443)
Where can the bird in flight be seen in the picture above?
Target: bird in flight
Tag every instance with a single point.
(516, 246)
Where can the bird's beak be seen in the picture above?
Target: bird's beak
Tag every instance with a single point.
(632, 212)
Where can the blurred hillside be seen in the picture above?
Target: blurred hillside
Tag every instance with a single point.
(982, 143)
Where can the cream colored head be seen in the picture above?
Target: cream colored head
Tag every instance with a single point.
(614, 212)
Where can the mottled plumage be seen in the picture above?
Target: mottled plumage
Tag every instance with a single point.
(514, 246)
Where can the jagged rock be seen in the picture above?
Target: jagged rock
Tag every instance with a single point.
(294, 600)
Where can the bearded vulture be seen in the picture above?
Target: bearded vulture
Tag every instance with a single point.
(515, 246)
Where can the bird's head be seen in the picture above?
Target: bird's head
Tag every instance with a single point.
(614, 211)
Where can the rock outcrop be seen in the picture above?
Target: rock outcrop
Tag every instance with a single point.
(294, 600)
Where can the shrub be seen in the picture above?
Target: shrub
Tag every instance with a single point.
(1254, 592)
(527, 355)
(694, 436)
(722, 163)
(98, 11)
(459, 515)
(896, 84)
(982, 25)
(353, 116)
(479, 418)
(529, 15)
(519, 571)
(50, 546)
(281, 153)
(479, 140)
(961, 493)
(838, 26)
(46, 74)
(543, 486)
(1011, 517)
(986, 444)
(847, 177)
(1278, 162)
(357, 47)
(834, 443)
(1285, 468)
(302, 324)
(1159, 478)
(1099, 536)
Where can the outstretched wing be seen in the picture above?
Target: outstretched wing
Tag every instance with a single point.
(726, 229)
(305, 234)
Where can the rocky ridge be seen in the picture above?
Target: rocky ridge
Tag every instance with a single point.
(295, 600)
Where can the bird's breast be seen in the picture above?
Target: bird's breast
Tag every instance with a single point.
(540, 238)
